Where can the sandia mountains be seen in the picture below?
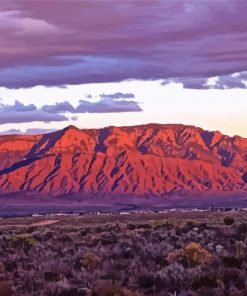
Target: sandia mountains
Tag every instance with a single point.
(146, 160)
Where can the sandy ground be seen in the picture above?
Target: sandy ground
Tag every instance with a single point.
(89, 220)
(35, 224)
(44, 222)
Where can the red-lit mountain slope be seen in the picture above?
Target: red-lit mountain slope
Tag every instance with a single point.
(140, 160)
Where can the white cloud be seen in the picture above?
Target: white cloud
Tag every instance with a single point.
(213, 109)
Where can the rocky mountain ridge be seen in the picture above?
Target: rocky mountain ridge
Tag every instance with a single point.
(152, 159)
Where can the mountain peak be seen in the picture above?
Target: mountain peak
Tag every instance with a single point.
(71, 127)
(150, 159)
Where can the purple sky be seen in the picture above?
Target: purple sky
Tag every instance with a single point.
(123, 62)
(74, 42)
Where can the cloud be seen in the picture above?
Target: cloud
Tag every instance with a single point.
(237, 80)
(118, 95)
(30, 116)
(19, 112)
(228, 81)
(59, 43)
(29, 131)
(59, 108)
(104, 105)
(11, 132)
(74, 117)
(195, 83)
(192, 83)
(37, 131)
(17, 107)
(108, 105)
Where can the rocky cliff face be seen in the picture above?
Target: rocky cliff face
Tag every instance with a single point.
(140, 160)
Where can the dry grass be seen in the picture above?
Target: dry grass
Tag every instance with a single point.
(193, 254)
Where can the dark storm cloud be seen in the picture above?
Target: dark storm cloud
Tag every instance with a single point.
(73, 42)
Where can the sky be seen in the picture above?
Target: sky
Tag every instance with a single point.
(100, 63)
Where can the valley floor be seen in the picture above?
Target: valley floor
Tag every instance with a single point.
(174, 253)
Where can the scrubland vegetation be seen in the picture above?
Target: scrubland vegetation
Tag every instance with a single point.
(146, 255)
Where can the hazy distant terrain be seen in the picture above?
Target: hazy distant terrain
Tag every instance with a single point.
(19, 206)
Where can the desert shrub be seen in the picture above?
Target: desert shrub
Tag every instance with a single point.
(51, 276)
(106, 259)
(233, 276)
(76, 292)
(206, 291)
(161, 224)
(30, 229)
(161, 261)
(228, 220)
(202, 226)
(174, 256)
(240, 248)
(10, 265)
(241, 229)
(233, 291)
(5, 289)
(111, 289)
(24, 242)
(66, 239)
(144, 226)
(204, 281)
(128, 253)
(108, 240)
(157, 224)
(188, 226)
(231, 261)
(78, 264)
(83, 232)
(91, 261)
(131, 226)
(146, 282)
(195, 254)
(45, 236)
(190, 255)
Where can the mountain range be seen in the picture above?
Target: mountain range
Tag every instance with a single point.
(146, 160)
